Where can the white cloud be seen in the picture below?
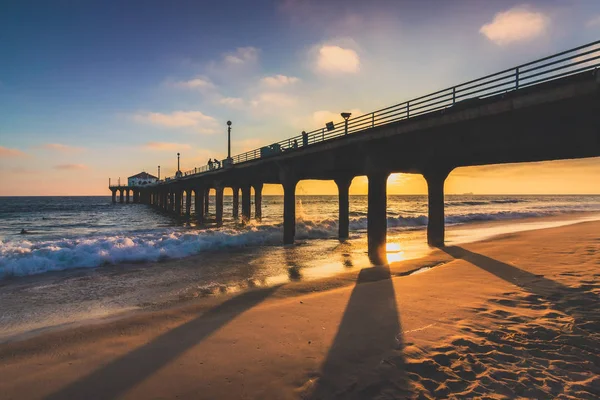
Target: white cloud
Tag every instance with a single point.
(71, 167)
(165, 146)
(6, 152)
(321, 117)
(247, 145)
(274, 99)
(333, 59)
(200, 122)
(63, 148)
(594, 22)
(279, 80)
(241, 55)
(196, 83)
(514, 25)
(232, 101)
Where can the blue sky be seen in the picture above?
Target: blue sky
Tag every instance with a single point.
(98, 89)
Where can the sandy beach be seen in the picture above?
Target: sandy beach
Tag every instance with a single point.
(511, 316)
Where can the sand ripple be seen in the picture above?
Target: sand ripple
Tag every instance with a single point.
(538, 347)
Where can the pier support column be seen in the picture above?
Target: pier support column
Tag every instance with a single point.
(246, 203)
(343, 185)
(219, 205)
(435, 221)
(258, 201)
(178, 199)
(127, 196)
(188, 203)
(236, 202)
(206, 200)
(172, 202)
(377, 217)
(135, 196)
(289, 211)
(199, 197)
(114, 196)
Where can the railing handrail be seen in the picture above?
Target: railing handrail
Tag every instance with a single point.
(510, 79)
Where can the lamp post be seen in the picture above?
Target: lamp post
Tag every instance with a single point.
(159, 172)
(178, 174)
(346, 115)
(228, 140)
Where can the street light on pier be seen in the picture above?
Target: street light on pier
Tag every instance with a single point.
(346, 116)
(178, 174)
(159, 172)
(228, 141)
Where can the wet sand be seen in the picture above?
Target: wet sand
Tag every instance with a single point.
(57, 300)
(512, 316)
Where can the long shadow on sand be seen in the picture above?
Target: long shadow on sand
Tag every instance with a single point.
(125, 372)
(362, 362)
(579, 303)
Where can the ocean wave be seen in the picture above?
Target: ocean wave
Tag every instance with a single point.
(28, 257)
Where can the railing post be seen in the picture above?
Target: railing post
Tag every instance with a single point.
(372, 120)
(453, 95)
(323, 134)
(517, 78)
(408, 109)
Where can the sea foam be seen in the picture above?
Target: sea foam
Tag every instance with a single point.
(23, 257)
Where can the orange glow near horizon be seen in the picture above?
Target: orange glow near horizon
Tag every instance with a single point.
(554, 177)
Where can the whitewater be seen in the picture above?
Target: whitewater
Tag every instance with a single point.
(88, 232)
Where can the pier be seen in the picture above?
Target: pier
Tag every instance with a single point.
(548, 109)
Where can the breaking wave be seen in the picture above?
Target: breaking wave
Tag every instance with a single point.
(25, 257)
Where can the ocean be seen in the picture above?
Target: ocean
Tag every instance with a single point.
(83, 257)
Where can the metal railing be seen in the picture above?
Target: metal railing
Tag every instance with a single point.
(560, 65)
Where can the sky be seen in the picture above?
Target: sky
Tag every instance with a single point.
(92, 90)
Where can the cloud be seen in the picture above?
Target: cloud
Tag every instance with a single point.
(163, 146)
(274, 99)
(247, 145)
(71, 167)
(201, 123)
(196, 83)
(18, 170)
(6, 152)
(514, 25)
(323, 116)
(232, 101)
(241, 55)
(333, 59)
(278, 80)
(63, 148)
(594, 22)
